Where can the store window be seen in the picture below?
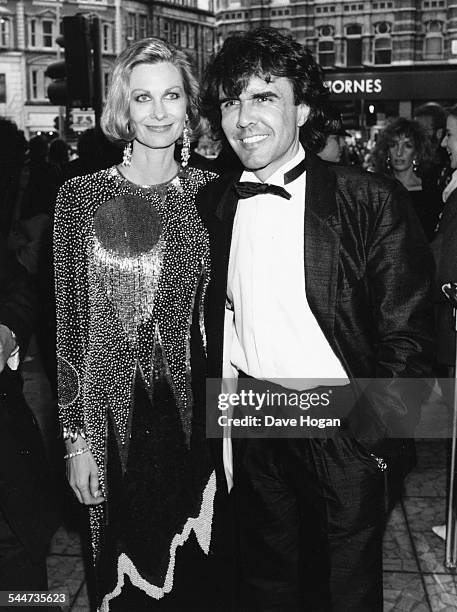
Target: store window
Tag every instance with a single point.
(354, 45)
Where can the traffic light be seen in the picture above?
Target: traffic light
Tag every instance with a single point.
(78, 60)
(73, 78)
(57, 89)
(371, 115)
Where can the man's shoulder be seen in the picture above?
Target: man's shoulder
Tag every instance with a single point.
(353, 177)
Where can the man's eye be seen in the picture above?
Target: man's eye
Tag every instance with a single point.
(229, 103)
(263, 98)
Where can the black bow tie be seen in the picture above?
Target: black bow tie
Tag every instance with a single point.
(247, 189)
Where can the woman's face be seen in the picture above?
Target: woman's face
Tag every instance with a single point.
(401, 153)
(158, 104)
(450, 140)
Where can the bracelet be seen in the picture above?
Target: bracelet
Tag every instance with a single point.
(80, 451)
(72, 433)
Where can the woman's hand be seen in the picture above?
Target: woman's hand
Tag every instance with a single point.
(82, 474)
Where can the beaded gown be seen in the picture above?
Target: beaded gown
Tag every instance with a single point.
(132, 267)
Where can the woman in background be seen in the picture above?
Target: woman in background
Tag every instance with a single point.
(131, 258)
(403, 150)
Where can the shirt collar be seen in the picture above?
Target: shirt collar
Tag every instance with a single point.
(277, 178)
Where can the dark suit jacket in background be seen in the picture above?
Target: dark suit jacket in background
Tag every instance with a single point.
(25, 484)
(368, 274)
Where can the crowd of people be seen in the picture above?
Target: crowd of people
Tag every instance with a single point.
(144, 268)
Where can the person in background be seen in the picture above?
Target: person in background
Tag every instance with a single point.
(335, 137)
(432, 117)
(131, 266)
(28, 514)
(95, 152)
(403, 150)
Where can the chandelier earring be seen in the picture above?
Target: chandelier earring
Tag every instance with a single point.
(415, 165)
(388, 163)
(185, 151)
(127, 159)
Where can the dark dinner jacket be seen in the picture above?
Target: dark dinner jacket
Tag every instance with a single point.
(368, 278)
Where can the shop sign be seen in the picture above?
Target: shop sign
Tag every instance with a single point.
(394, 85)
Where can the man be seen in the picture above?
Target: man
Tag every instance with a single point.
(322, 274)
(28, 517)
(335, 135)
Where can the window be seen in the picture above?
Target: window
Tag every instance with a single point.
(191, 36)
(32, 33)
(47, 28)
(184, 41)
(37, 84)
(166, 29)
(354, 45)
(175, 32)
(326, 53)
(106, 82)
(2, 88)
(383, 50)
(5, 32)
(433, 44)
(142, 26)
(107, 38)
(130, 26)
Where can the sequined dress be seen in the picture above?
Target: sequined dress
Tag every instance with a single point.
(131, 267)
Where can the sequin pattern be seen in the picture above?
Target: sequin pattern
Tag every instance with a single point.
(121, 292)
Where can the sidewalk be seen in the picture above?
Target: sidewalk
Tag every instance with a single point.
(415, 578)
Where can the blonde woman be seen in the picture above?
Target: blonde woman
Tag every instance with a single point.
(131, 260)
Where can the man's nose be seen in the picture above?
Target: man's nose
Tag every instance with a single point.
(246, 115)
(444, 142)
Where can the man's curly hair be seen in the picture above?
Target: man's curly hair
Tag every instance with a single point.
(265, 52)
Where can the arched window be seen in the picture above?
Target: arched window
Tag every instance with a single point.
(382, 43)
(326, 46)
(433, 44)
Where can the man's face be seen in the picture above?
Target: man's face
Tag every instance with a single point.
(262, 125)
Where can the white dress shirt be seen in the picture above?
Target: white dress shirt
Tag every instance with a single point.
(274, 334)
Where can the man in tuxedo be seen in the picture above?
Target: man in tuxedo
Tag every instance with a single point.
(28, 516)
(318, 272)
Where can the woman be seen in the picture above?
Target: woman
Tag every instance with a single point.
(403, 150)
(131, 260)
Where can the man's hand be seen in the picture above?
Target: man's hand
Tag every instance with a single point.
(7, 345)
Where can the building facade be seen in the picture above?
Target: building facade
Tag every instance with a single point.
(28, 32)
(352, 39)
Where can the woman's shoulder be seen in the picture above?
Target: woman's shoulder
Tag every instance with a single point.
(88, 181)
(201, 177)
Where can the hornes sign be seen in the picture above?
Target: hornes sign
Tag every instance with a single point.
(393, 85)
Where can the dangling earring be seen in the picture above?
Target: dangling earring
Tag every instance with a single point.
(127, 159)
(185, 151)
(388, 164)
(415, 164)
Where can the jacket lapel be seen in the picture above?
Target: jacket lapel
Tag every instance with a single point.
(322, 242)
(220, 242)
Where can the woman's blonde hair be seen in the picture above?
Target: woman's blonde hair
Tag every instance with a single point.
(115, 121)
